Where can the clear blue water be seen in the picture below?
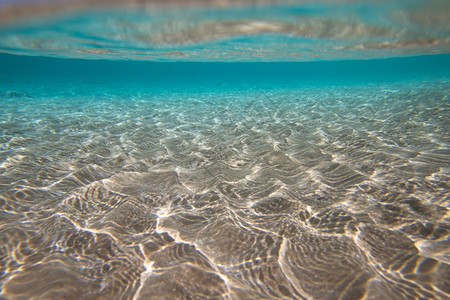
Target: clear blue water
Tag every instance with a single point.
(288, 151)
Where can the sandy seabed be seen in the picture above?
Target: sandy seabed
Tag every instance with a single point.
(323, 193)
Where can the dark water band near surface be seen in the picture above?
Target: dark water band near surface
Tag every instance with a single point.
(276, 150)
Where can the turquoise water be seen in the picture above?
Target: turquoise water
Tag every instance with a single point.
(143, 157)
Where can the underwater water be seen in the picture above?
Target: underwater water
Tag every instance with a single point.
(256, 151)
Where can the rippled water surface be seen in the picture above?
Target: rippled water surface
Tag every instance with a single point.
(123, 176)
(274, 31)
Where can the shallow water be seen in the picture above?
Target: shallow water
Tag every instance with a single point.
(138, 179)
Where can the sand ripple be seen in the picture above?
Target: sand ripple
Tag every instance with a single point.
(305, 194)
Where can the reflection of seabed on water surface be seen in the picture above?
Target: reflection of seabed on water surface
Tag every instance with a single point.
(312, 193)
(226, 30)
